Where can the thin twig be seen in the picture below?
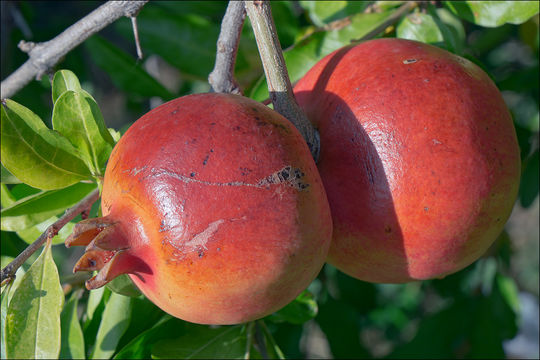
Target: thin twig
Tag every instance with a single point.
(136, 36)
(8, 273)
(275, 70)
(221, 79)
(44, 56)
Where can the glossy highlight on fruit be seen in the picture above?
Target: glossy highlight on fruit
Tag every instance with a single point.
(214, 206)
(419, 158)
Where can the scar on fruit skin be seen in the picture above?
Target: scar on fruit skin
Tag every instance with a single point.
(288, 175)
(198, 242)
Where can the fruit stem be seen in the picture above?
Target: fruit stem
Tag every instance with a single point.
(275, 70)
(221, 79)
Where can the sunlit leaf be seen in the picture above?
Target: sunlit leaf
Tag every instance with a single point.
(494, 13)
(64, 80)
(72, 335)
(33, 316)
(419, 26)
(35, 154)
(323, 12)
(39, 207)
(29, 235)
(114, 322)
(6, 177)
(76, 115)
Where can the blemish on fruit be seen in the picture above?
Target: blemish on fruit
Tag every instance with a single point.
(388, 229)
(201, 253)
(409, 61)
(426, 80)
(192, 174)
(288, 175)
(205, 159)
(426, 208)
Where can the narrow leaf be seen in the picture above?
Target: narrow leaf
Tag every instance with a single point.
(139, 347)
(203, 342)
(3, 313)
(76, 115)
(72, 335)
(64, 80)
(123, 69)
(114, 323)
(494, 13)
(35, 154)
(33, 316)
(94, 299)
(39, 207)
(298, 311)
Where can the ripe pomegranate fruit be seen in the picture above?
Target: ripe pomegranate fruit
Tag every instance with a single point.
(214, 206)
(419, 158)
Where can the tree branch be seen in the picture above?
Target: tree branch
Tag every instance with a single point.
(221, 79)
(8, 273)
(275, 70)
(44, 56)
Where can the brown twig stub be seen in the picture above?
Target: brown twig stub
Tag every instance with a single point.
(44, 56)
(275, 70)
(136, 37)
(221, 79)
(8, 273)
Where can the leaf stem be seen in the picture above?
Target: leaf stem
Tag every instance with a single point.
(8, 273)
(275, 70)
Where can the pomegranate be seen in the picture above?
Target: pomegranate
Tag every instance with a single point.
(419, 158)
(214, 206)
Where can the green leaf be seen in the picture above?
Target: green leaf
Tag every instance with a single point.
(494, 13)
(6, 199)
(72, 335)
(186, 41)
(76, 115)
(114, 323)
(6, 177)
(94, 299)
(139, 347)
(309, 51)
(323, 12)
(3, 312)
(39, 207)
(125, 72)
(507, 287)
(30, 234)
(33, 316)
(300, 310)
(35, 154)
(64, 80)
(19, 274)
(124, 286)
(419, 26)
(203, 342)
(451, 28)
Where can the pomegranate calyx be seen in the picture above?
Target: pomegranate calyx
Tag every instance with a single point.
(86, 230)
(122, 262)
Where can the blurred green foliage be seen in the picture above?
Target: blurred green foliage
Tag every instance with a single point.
(466, 315)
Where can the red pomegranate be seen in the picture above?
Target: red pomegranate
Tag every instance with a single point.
(214, 206)
(419, 158)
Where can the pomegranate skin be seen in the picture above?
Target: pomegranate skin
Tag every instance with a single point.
(419, 158)
(219, 199)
